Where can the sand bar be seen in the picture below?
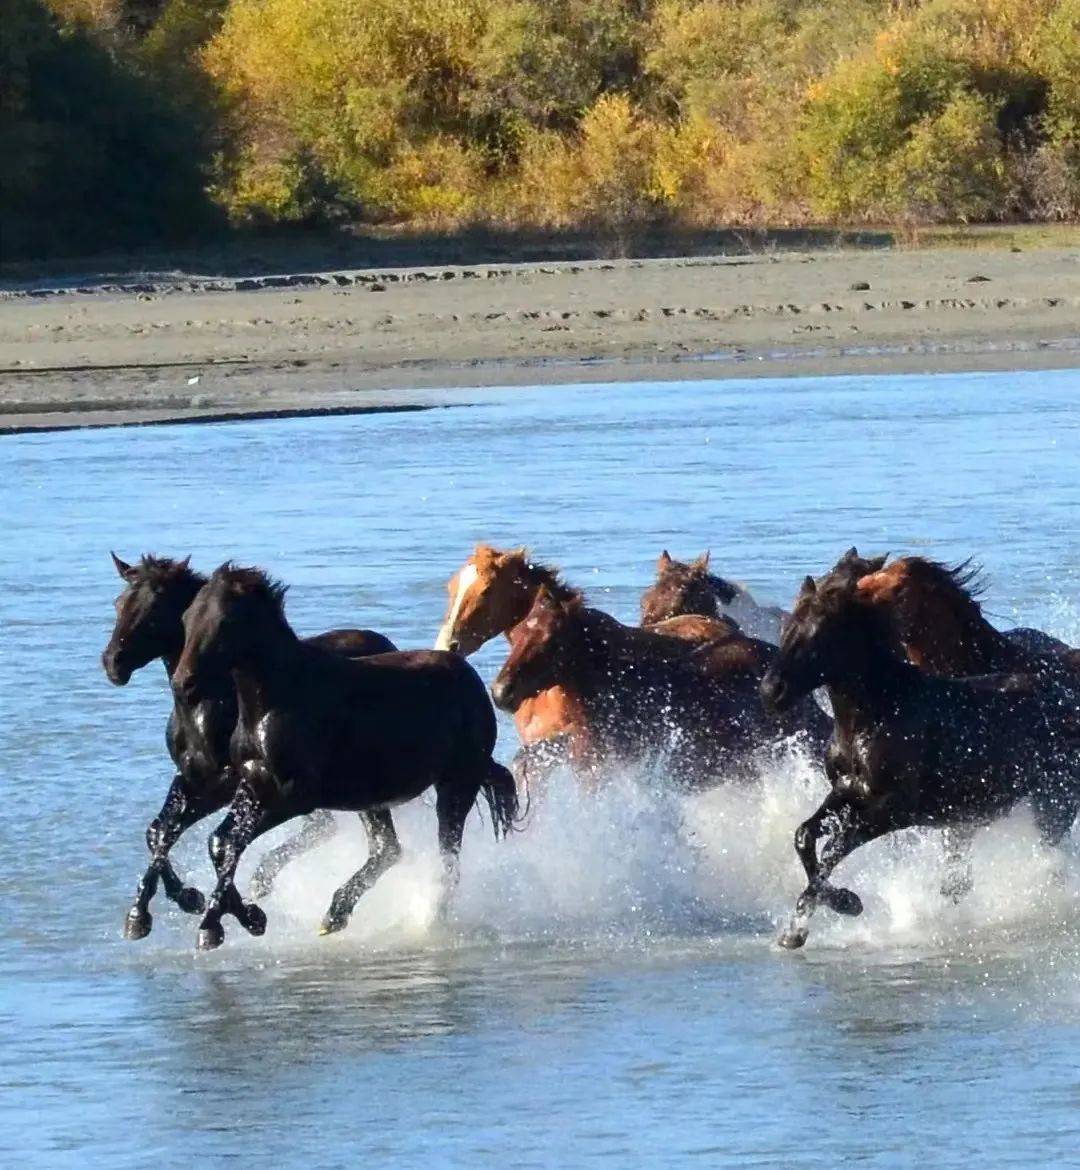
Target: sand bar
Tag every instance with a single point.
(182, 347)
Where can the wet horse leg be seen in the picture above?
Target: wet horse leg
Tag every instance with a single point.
(246, 819)
(318, 827)
(956, 882)
(384, 850)
(850, 829)
(452, 809)
(182, 808)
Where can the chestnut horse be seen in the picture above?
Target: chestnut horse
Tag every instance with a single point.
(493, 591)
(910, 748)
(320, 731)
(149, 625)
(644, 692)
(938, 618)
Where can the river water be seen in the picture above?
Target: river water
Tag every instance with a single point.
(609, 991)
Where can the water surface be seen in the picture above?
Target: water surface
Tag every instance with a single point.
(609, 992)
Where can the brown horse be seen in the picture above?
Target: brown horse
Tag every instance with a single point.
(320, 731)
(645, 693)
(688, 587)
(493, 591)
(909, 748)
(938, 618)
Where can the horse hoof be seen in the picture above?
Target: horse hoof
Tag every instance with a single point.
(210, 937)
(137, 924)
(191, 901)
(793, 938)
(260, 886)
(254, 920)
(844, 902)
(331, 925)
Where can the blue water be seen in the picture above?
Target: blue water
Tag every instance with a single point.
(609, 992)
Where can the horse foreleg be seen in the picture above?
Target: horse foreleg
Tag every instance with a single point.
(318, 827)
(247, 819)
(384, 850)
(182, 808)
(849, 831)
(956, 882)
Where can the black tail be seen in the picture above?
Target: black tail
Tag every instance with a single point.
(500, 791)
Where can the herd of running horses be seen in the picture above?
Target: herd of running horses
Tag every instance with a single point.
(936, 718)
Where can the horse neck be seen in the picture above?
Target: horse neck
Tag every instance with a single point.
(267, 673)
(170, 654)
(873, 677)
(954, 639)
(611, 647)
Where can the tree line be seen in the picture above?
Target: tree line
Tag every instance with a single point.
(129, 121)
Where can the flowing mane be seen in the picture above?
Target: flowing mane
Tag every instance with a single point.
(159, 572)
(544, 576)
(251, 582)
(963, 583)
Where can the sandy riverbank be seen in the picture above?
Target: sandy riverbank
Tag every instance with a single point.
(184, 347)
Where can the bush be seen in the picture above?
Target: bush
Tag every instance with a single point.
(95, 155)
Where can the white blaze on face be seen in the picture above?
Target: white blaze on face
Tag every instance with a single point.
(466, 579)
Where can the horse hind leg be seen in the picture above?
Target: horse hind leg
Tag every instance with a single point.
(956, 881)
(318, 827)
(1054, 816)
(384, 851)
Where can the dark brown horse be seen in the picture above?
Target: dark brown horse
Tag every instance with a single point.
(685, 587)
(688, 587)
(149, 625)
(319, 731)
(936, 612)
(908, 748)
(644, 692)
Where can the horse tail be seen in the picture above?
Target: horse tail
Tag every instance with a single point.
(500, 792)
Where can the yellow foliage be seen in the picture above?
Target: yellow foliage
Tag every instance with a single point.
(613, 113)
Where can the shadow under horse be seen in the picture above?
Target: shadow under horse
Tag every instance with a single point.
(910, 749)
(149, 625)
(319, 731)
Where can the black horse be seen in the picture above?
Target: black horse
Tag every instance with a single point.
(319, 731)
(910, 749)
(149, 625)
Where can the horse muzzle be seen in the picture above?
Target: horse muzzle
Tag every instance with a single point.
(447, 641)
(502, 695)
(117, 671)
(775, 693)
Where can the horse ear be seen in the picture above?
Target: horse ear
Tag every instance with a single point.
(185, 563)
(877, 563)
(852, 554)
(122, 567)
(702, 561)
(809, 586)
(664, 562)
(544, 599)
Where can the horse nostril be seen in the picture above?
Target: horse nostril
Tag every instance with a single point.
(453, 645)
(500, 694)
